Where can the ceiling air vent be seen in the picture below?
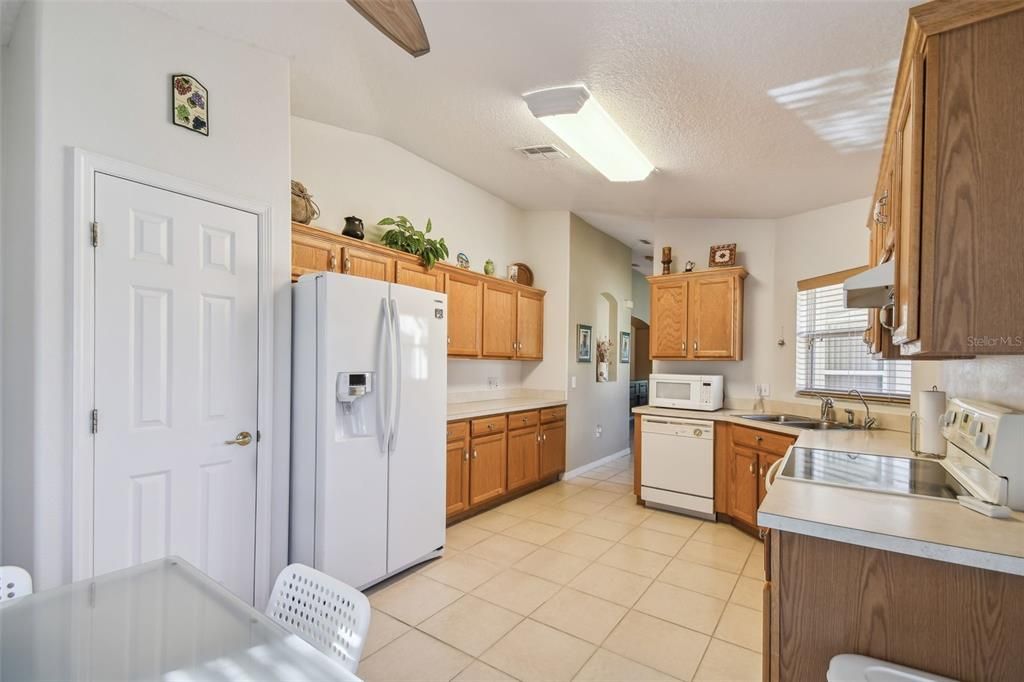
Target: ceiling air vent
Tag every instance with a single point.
(543, 152)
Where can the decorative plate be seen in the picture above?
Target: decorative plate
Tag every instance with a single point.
(463, 261)
(722, 255)
(190, 107)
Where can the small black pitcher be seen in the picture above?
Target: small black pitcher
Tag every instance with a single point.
(353, 227)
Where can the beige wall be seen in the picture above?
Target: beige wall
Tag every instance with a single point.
(641, 296)
(351, 173)
(599, 272)
(994, 380)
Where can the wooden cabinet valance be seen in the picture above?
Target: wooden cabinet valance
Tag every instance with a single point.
(487, 317)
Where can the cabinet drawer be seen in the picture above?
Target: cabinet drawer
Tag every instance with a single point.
(764, 441)
(552, 414)
(521, 420)
(486, 425)
(458, 431)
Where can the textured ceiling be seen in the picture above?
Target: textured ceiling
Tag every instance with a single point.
(747, 109)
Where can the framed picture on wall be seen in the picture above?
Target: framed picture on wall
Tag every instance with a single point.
(584, 332)
(624, 347)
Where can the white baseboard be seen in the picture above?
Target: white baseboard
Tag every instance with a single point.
(579, 471)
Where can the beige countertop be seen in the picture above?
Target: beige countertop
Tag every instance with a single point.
(481, 408)
(929, 528)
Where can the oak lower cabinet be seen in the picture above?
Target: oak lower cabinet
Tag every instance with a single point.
(523, 449)
(826, 598)
(494, 458)
(753, 451)
(457, 467)
(552, 441)
(697, 315)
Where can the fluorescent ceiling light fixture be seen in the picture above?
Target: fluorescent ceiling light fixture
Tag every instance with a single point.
(573, 114)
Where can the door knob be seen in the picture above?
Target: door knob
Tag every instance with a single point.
(243, 438)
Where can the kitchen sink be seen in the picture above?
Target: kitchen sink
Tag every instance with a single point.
(776, 418)
(801, 422)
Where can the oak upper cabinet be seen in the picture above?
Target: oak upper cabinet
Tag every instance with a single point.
(499, 320)
(417, 275)
(530, 325)
(312, 253)
(368, 263)
(669, 300)
(465, 313)
(715, 318)
(457, 479)
(698, 316)
(954, 147)
(523, 449)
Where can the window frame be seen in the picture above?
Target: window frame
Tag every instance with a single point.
(821, 282)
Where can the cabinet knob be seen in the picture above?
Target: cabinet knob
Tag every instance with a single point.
(333, 263)
(694, 346)
(545, 437)
(347, 265)
(751, 468)
(474, 454)
(465, 455)
(758, 438)
(490, 427)
(760, 471)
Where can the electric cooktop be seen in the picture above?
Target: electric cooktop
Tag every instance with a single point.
(897, 475)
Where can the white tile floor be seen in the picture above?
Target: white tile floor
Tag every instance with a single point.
(575, 582)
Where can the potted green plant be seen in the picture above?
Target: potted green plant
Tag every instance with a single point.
(404, 237)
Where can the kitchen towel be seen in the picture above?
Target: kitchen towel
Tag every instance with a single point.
(931, 406)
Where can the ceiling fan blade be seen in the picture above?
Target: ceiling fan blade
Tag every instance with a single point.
(398, 20)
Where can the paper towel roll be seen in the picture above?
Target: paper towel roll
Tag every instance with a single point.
(931, 405)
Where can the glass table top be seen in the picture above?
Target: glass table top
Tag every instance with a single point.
(162, 620)
(898, 475)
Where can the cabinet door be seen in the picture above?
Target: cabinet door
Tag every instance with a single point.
(529, 325)
(499, 323)
(313, 254)
(765, 462)
(465, 314)
(457, 485)
(415, 275)
(712, 317)
(668, 319)
(523, 457)
(743, 486)
(366, 263)
(487, 468)
(907, 206)
(552, 449)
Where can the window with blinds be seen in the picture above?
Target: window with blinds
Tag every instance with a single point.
(831, 356)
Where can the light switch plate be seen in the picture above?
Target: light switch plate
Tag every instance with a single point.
(572, 382)
(763, 390)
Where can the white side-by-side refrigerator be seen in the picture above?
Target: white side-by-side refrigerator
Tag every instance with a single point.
(369, 393)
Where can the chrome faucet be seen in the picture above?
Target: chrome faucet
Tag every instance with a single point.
(869, 421)
(828, 408)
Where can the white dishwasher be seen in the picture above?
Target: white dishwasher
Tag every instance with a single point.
(678, 464)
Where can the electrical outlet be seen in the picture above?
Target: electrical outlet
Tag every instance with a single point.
(762, 390)
(492, 382)
(597, 431)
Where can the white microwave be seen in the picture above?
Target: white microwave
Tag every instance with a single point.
(686, 391)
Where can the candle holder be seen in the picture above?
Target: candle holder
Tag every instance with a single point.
(666, 260)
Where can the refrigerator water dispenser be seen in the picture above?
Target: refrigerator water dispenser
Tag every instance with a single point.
(356, 411)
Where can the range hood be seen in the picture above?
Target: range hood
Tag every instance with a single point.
(871, 288)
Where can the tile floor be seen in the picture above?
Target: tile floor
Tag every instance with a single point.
(575, 582)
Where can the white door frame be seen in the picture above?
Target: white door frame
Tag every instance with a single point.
(86, 166)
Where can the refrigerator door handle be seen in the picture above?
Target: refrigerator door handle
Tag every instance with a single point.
(383, 392)
(396, 381)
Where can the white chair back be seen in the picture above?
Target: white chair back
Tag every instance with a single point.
(14, 582)
(327, 613)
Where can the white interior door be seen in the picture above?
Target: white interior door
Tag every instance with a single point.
(176, 321)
